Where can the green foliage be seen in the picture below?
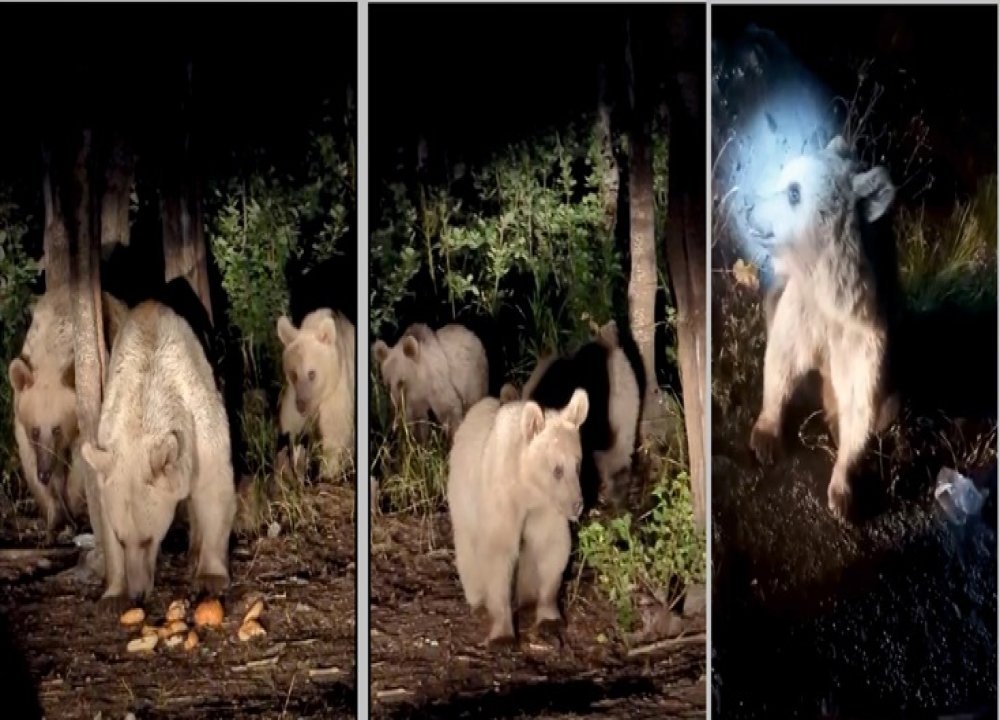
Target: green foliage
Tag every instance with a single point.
(533, 237)
(658, 554)
(17, 272)
(951, 260)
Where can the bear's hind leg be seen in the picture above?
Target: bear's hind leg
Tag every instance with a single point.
(854, 374)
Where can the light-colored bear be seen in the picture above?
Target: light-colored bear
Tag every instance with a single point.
(826, 313)
(45, 419)
(163, 440)
(318, 361)
(513, 488)
(444, 372)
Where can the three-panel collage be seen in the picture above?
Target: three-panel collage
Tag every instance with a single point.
(498, 360)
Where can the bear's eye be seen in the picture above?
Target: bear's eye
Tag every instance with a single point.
(794, 194)
(36, 433)
(558, 472)
(56, 431)
(312, 375)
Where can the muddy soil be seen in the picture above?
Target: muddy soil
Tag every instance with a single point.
(891, 615)
(66, 658)
(427, 661)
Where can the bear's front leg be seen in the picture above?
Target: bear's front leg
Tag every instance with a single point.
(115, 598)
(545, 553)
(793, 347)
(212, 507)
(498, 561)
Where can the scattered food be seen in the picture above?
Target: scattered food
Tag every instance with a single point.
(746, 274)
(177, 627)
(251, 629)
(177, 610)
(254, 612)
(133, 616)
(192, 641)
(142, 644)
(209, 613)
(148, 630)
(174, 640)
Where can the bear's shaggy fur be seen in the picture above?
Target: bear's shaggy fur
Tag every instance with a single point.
(318, 362)
(163, 439)
(443, 372)
(827, 312)
(513, 488)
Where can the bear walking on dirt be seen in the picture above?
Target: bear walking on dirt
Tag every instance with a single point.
(163, 439)
(828, 312)
(318, 361)
(45, 420)
(444, 372)
(513, 488)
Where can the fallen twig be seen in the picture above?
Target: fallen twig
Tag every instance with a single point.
(660, 644)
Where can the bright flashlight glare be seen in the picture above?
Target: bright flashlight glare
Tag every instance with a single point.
(767, 109)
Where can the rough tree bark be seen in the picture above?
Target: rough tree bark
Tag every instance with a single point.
(685, 236)
(610, 179)
(115, 201)
(184, 250)
(642, 229)
(88, 332)
(54, 239)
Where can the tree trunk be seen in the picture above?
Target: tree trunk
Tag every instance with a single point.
(642, 228)
(610, 179)
(54, 240)
(88, 332)
(184, 250)
(685, 236)
(115, 201)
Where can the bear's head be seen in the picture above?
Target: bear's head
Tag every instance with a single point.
(403, 367)
(45, 404)
(550, 463)
(819, 200)
(141, 481)
(310, 359)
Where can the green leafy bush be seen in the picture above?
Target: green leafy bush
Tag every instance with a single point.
(659, 554)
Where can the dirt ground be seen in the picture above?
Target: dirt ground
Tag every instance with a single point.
(65, 656)
(427, 661)
(892, 615)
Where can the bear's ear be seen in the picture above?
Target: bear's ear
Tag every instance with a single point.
(380, 350)
(20, 374)
(286, 331)
(163, 453)
(876, 192)
(839, 146)
(411, 348)
(532, 421)
(509, 393)
(69, 376)
(98, 459)
(327, 331)
(579, 405)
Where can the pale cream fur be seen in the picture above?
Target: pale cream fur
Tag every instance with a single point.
(325, 347)
(163, 440)
(513, 488)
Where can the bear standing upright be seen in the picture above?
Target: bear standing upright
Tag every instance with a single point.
(828, 312)
(444, 372)
(163, 439)
(318, 361)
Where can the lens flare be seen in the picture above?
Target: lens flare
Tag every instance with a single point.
(767, 109)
